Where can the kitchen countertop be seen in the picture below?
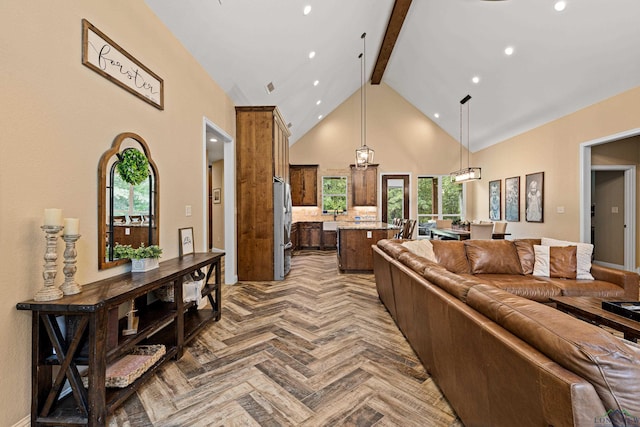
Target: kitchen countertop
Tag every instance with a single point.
(364, 225)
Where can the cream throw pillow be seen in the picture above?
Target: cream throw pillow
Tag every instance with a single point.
(422, 248)
(585, 251)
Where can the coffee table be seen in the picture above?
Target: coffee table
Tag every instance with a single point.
(590, 309)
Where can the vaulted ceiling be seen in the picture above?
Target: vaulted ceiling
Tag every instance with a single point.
(562, 60)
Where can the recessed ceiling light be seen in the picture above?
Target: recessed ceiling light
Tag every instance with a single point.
(436, 115)
(307, 9)
(318, 102)
(316, 83)
(508, 50)
(213, 140)
(320, 117)
(475, 79)
(560, 6)
(312, 54)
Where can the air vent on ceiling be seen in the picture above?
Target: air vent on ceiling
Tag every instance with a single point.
(270, 87)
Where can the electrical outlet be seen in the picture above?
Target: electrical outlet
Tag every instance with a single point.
(369, 235)
(614, 209)
(127, 231)
(187, 210)
(560, 209)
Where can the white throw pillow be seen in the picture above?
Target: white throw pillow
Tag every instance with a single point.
(422, 248)
(585, 251)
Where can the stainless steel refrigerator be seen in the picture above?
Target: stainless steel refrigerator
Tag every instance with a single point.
(281, 228)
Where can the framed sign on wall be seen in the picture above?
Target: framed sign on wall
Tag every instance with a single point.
(108, 59)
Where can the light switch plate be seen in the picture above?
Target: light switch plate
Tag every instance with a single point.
(187, 210)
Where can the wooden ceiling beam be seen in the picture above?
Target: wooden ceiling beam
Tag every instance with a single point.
(398, 14)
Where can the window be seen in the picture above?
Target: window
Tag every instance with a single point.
(334, 193)
(129, 199)
(439, 197)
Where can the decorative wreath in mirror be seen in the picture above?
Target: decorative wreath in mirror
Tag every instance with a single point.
(133, 166)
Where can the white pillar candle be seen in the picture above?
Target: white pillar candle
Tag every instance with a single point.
(71, 226)
(53, 217)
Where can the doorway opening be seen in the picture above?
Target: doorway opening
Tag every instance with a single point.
(589, 212)
(219, 196)
(395, 197)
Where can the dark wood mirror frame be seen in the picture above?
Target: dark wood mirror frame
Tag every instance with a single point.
(103, 181)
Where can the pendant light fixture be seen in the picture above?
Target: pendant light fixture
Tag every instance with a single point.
(364, 154)
(469, 173)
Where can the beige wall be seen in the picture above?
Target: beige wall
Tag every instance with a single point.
(553, 149)
(407, 141)
(404, 139)
(57, 117)
(217, 171)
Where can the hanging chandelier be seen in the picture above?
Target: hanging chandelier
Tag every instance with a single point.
(364, 154)
(469, 173)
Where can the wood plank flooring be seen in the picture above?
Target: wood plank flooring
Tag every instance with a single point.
(317, 349)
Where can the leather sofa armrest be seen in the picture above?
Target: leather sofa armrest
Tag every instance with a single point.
(625, 279)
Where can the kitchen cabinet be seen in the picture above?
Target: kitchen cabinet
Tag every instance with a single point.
(304, 185)
(310, 235)
(364, 186)
(262, 153)
(294, 236)
(329, 239)
(354, 246)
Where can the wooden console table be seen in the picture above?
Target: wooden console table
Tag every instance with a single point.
(93, 337)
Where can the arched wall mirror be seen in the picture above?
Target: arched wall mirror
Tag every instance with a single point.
(128, 202)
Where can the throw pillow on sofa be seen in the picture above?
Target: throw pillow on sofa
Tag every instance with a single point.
(584, 253)
(422, 248)
(492, 257)
(555, 261)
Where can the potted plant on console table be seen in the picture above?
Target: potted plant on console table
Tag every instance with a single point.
(144, 258)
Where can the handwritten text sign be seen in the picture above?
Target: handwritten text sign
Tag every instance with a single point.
(108, 59)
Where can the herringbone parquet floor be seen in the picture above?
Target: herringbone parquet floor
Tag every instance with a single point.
(317, 349)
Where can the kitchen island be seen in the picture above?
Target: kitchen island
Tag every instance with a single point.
(354, 243)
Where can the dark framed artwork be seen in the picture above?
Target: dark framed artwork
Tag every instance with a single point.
(512, 199)
(186, 241)
(534, 202)
(217, 196)
(495, 202)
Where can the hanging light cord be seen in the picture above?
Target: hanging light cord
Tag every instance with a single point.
(363, 91)
(462, 102)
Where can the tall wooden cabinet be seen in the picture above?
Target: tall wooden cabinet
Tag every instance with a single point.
(304, 185)
(364, 186)
(262, 153)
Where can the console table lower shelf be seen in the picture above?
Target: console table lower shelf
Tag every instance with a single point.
(77, 337)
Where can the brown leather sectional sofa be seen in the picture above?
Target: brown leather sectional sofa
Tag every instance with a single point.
(499, 354)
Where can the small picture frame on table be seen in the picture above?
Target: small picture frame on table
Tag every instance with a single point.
(186, 241)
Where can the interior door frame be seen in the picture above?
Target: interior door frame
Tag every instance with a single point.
(630, 196)
(406, 177)
(230, 243)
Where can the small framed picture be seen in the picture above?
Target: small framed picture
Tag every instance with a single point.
(216, 195)
(186, 241)
(495, 202)
(534, 202)
(512, 199)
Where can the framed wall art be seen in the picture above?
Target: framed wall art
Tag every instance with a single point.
(186, 241)
(512, 199)
(495, 203)
(112, 62)
(534, 202)
(216, 196)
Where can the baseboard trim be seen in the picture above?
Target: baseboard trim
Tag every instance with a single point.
(25, 422)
